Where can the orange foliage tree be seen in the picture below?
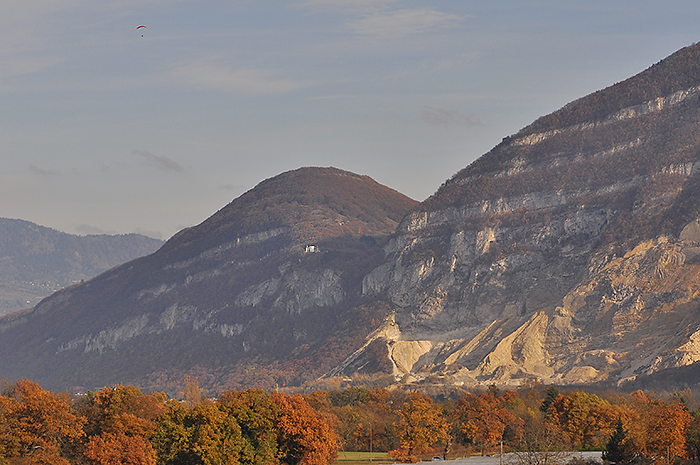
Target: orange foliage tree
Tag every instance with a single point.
(660, 434)
(8, 443)
(421, 425)
(120, 422)
(119, 449)
(585, 419)
(482, 419)
(41, 424)
(303, 434)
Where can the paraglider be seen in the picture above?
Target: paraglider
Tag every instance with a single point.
(141, 26)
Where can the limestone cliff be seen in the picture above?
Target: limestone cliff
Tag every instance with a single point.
(567, 254)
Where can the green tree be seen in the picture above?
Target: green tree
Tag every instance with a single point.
(365, 419)
(693, 437)
(619, 448)
(550, 395)
(255, 413)
(171, 439)
(203, 435)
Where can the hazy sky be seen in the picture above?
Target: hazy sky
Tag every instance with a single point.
(103, 130)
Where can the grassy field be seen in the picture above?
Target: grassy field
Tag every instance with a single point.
(362, 458)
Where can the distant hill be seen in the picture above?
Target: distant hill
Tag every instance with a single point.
(36, 261)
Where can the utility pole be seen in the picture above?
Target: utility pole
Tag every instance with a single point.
(501, 456)
(370, 441)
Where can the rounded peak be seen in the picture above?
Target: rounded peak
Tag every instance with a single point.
(295, 179)
(311, 203)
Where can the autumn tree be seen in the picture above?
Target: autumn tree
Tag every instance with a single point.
(119, 448)
(303, 434)
(663, 428)
(41, 424)
(255, 413)
(192, 393)
(8, 445)
(483, 419)
(584, 418)
(420, 426)
(365, 418)
(204, 434)
(540, 443)
(121, 408)
(120, 422)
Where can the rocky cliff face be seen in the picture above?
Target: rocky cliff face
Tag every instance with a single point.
(567, 254)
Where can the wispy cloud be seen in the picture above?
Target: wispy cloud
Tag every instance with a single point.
(210, 75)
(400, 23)
(346, 5)
(41, 171)
(21, 66)
(160, 161)
(443, 116)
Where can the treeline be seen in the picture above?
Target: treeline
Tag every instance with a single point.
(122, 425)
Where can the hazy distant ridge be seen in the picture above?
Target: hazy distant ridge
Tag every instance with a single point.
(36, 261)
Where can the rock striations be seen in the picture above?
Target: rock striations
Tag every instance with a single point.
(568, 254)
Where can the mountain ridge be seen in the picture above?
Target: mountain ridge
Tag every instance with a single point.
(510, 247)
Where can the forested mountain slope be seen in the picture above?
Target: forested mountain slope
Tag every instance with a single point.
(271, 280)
